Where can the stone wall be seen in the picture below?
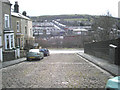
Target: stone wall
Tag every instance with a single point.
(23, 53)
(8, 55)
(102, 50)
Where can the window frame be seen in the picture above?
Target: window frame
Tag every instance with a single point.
(9, 40)
(18, 26)
(26, 29)
(6, 21)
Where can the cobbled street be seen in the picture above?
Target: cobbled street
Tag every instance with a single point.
(63, 70)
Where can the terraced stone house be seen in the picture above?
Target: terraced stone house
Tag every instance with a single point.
(7, 31)
(15, 30)
(22, 26)
(1, 31)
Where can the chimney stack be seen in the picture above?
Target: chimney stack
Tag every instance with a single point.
(24, 13)
(16, 7)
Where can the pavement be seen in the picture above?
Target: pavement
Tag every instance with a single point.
(104, 64)
(12, 62)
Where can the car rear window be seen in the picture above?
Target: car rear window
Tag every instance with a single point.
(34, 50)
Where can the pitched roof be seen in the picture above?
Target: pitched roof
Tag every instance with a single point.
(19, 15)
(5, 1)
(80, 30)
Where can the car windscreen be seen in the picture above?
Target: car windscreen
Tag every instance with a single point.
(42, 50)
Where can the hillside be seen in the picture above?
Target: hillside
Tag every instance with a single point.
(70, 20)
(51, 17)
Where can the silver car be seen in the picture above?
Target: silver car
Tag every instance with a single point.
(34, 54)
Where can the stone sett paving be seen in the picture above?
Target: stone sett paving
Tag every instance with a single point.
(55, 71)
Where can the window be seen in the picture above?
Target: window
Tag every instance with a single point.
(8, 44)
(26, 41)
(6, 21)
(12, 41)
(25, 30)
(18, 30)
(9, 41)
(22, 42)
(19, 42)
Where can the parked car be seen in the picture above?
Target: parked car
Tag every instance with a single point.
(34, 54)
(45, 51)
(113, 83)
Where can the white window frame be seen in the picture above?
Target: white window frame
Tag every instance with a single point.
(10, 46)
(7, 25)
(1, 55)
(18, 26)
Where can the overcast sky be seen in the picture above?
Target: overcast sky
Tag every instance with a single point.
(58, 7)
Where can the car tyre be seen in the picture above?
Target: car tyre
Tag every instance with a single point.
(28, 59)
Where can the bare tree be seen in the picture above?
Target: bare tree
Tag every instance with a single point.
(102, 27)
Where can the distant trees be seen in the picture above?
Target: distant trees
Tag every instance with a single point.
(103, 26)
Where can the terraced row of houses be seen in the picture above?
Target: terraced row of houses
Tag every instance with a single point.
(15, 29)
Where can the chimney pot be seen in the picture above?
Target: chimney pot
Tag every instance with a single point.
(16, 7)
(24, 13)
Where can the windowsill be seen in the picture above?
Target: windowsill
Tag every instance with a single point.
(8, 30)
(9, 49)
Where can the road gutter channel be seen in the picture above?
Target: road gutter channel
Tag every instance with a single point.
(97, 66)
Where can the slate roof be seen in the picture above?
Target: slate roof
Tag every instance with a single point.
(80, 30)
(19, 15)
(5, 1)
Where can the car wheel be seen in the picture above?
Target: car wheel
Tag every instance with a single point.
(28, 59)
(40, 58)
(108, 89)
